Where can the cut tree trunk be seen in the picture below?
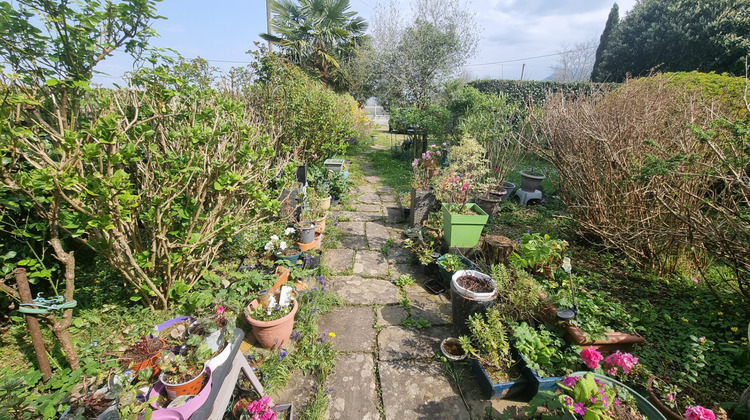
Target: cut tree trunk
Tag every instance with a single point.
(496, 249)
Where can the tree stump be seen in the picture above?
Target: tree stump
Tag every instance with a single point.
(496, 249)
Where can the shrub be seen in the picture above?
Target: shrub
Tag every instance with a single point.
(535, 93)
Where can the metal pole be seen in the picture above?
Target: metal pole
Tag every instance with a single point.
(268, 22)
(36, 334)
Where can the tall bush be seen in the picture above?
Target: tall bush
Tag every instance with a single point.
(534, 93)
(628, 159)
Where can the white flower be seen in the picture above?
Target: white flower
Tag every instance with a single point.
(268, 246)
(288, 231)
(274, 237)
(282, 245)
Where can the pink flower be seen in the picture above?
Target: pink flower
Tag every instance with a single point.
(699, 413)
(701, 340)
(628, 362)
(591, 357)
(220, 310)
(579, 408)
(593, 400)
(568, 400)
(315, 156)
(415, 163)
(570, 381)
(464, 187)
(695, 280)
(670, 398)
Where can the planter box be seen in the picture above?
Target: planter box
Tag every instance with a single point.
(335, 165)
(614, 341)
(463, 230)
(537, 383)
(497, 390)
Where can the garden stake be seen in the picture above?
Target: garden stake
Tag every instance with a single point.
(36, 334)
(566, 314)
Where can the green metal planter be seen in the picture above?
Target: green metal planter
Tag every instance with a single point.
(463, 230)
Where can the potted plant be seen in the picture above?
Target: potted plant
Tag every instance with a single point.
(311, 258)
(183, 374)
(491, 359)
(144, 353)
(545, 357)
(471, 292)
(339, 185)
(272, 324)
(422, 197)
(306, 231)
(279, 248)
(318, 216)
(538, 253)
(451, 348)
(448, 264)
(531, 179)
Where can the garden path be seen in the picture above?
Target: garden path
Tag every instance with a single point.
(385, 369)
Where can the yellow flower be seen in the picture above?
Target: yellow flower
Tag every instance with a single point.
(744, 338)
(332, 334)
(734, 329)
(730, 342)
(685, 319)
(721, 313)
(695, 302)
(731, 301)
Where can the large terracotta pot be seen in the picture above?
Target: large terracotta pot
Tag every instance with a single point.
(272, 334)
(614, 340)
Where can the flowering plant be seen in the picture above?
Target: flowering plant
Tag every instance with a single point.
(276, 244)
(699, 413)
(422, 167)
(260, 410)
(433, 157)
(454, 189)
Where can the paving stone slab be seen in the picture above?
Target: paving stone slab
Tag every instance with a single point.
(369, 198)
(419, 390)
(355, 290)
(377, 235)
(371, 263)
(399, 255)
(399, 343)
(434, 308)
(398, 270)
(391, 315)
(384, 189)
(372, 179)
(393, 214)
(358, 242)
(353, 388)
(369, 171)
(387, 197)
(358, 216)
(338, 260)
(477, 400)
(368, 208)
(366, 188)
(352, 228)
(299, 391)
(353, 326)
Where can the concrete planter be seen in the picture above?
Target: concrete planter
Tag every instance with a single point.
(422, 203)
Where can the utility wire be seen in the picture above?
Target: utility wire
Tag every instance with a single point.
(529, 58)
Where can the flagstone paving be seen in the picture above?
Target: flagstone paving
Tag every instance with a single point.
(385, 369)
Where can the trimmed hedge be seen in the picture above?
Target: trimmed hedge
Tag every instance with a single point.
(534, 93)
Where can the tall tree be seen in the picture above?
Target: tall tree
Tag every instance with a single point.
(612, 21)
(679, 35)
(413, 60)
(574, 64)
(318, 35)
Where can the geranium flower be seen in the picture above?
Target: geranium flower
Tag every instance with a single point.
(699, 413)
(282, 245)
(288, 231)
(591, 357)
(219, 309)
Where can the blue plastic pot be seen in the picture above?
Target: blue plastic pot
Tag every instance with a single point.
(497, 390)
(446, 275)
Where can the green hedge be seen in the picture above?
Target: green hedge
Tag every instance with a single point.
(534, 93)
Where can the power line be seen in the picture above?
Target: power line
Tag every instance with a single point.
(529, 58)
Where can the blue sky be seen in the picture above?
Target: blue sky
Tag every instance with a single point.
(221, 31)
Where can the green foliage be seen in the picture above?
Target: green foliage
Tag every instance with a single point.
(488, 341)
(699, 36)
(452, 263)
(590, 394)
(535, 93)
(418, 323)
(537, 250)
(404, 280)
(319, 36)
(613, 20)
(520, 299)
(545, 351)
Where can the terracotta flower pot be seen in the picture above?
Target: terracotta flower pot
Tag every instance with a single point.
(614, 341)
(654, 399)
(272, 334)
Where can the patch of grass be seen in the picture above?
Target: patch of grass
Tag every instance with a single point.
(393, 172)
(387, 246)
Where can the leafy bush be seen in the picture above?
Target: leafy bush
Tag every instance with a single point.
(535, 93)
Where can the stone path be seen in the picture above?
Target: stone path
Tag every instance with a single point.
(386, 370)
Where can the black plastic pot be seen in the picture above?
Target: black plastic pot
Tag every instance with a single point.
(465, 303)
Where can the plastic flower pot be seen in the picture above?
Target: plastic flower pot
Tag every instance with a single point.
(497, 390)
(446, 275)
(465, 303)
(190, 387)
(334, 165)
(151, 361)
(291, 258)
(452, 343)
(531, 182)
(182, 411)
(489, 202)
(537, 383)
(509, 187)
(463, 230)
(306, 232)
(271, 334)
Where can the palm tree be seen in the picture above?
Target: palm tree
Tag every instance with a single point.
(318, 35)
